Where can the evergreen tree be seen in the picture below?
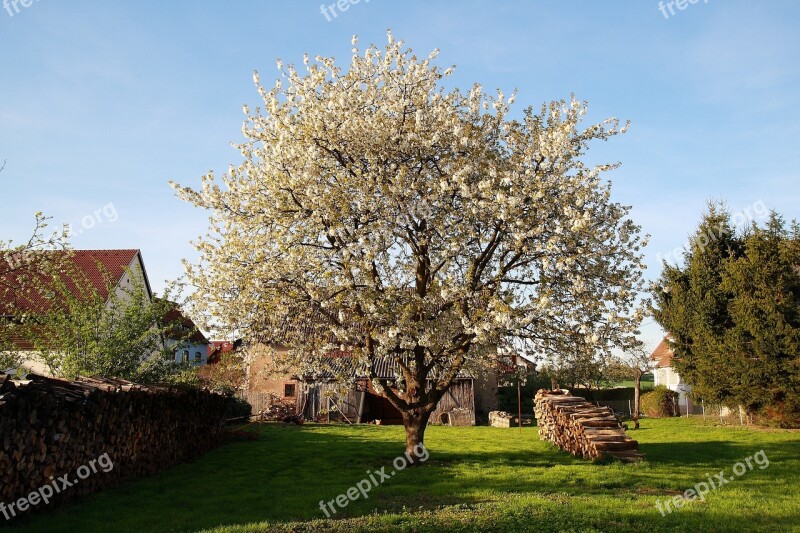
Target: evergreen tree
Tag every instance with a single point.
(763, 342)
(692, 306)
(732, 311)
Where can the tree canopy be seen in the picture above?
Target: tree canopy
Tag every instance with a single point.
(396, 219)
(733, 311)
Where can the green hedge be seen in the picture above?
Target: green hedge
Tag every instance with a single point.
(609, 395)
(660, 402)
(237, 408)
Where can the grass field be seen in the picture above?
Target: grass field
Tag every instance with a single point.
(476, 479)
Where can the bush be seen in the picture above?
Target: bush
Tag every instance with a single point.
(619, 394)
(237, 408)
(782, 414)
(228, 375)
(660, 402)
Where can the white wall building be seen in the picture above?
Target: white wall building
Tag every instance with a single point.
(665, 375)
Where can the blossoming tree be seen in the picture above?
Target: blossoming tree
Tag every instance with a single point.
(397, 220)
(19, 264)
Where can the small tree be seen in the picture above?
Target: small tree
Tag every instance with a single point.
(111, 332)
(633, 364)
(588, 363)
(226, 375)
(579, 367)
(20, 265)
(396, 221)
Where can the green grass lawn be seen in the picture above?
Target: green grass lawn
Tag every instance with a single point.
(479, 478)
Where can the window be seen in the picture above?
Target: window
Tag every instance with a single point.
(198, 357)
(185, 357)
(288, 390)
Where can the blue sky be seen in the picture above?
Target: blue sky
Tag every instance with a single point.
(103, 103)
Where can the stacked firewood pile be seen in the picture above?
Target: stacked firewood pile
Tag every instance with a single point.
(52, 428)
(500, 419)
(582, 428)
(280, 411)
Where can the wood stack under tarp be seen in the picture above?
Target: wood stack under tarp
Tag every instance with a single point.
(582, 428)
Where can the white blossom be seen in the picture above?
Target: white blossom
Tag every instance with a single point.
(368, 202)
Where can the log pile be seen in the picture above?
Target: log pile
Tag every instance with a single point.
(582, 428)
(282, 411)
(50, 428)
(501, 419)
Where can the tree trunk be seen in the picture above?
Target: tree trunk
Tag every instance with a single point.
(415, 422)
(636, 394)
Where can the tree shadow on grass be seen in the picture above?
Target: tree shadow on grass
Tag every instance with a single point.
(719, 453)
(285, 473)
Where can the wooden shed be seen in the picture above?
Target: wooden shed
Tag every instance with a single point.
(322, 398)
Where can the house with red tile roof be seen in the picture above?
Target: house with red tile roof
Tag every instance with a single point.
(184, 338)
(666, 375)
(101, 270)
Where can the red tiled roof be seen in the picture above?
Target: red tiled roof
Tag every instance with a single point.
(97, 266)
(222, 346)
(662, 355)
(180, 325)
(217, 348)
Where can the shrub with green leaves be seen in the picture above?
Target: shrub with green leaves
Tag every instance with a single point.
(660, 402)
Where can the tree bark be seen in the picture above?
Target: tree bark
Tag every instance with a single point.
(636, 394)
(415, 422)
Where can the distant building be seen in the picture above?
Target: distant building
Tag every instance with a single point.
(666, 375)
(217, 348)
(184, 339)
(119, 269)
(472, 396)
